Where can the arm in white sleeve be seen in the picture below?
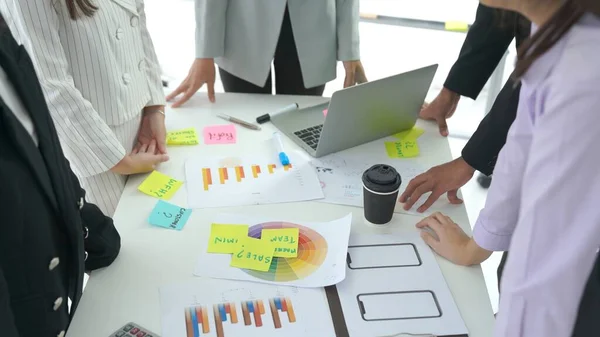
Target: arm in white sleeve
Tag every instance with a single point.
(153, 71)
(210, 28)
(347, 19)
(496, 222)
(558, 233)
(88, 142)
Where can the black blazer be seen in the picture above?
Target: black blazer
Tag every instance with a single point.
(49, 235)
(485, 44)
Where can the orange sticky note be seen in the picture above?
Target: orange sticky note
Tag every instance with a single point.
(220, 134)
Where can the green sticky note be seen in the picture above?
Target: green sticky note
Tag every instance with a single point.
(183, 137)
(284, 239)
(255, 254)
(411, 134)
(402, 149)
(225, 239)
(160, 185)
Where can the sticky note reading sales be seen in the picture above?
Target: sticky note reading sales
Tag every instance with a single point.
(402, 149)
(255, 254)
(225, 239)
(220, 134)
(456, 26)
(284, 239)
(411, 134)
(160, 185)
(170, 216)
(183, 137)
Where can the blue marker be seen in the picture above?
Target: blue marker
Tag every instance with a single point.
(283, 158)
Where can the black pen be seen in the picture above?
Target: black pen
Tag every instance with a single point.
(267, 117)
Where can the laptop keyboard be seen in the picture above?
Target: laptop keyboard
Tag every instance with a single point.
(310, 136)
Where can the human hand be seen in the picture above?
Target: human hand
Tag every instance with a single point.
(202, 72)
(452, 242)
(152, 128)
(440, 109)
(448, 177)
(355, 73)
(141, 160)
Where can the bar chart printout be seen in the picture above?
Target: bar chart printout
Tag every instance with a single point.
(249, 181)
(221, 308)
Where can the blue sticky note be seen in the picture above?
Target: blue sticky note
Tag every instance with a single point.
(170, 216)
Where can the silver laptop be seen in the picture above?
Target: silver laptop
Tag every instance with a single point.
(359, 114)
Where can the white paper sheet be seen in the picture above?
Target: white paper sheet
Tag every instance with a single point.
(341, 181)
(249, 180)
(405, 292)
(305, 312)
(321, 259)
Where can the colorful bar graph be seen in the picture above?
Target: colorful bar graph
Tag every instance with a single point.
(275, 314)
(239, 173)
(223, 175)
(281, 304)
(246, 314)
(258, 314)
(254, 309)
(206, 178)
(194, 318)
(287, 167)
(271, 168)
(290, 310)
(218, 320)
(255, 171)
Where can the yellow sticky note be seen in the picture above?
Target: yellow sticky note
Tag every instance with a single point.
(402, 149)
(255, 254)
(183, 137)
(456, 26)
(160, 185)
(284, 239)
(411, 134)
(225, 239)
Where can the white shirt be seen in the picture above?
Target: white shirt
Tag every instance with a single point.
(11, 99)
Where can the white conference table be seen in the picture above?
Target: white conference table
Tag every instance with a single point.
(127, 291)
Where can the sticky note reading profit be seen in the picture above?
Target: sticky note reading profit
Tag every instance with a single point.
(402, 149)
(225, 239)
(182, 137)
(160, 185)
(220, 134)
(167, 215)
(284, 239)
(411, 134)
(255, 254)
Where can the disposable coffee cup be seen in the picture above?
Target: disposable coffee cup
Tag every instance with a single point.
(381, 184)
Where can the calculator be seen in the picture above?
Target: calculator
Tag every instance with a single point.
(133, 330)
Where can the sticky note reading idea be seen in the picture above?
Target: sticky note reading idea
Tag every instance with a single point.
(255, 254)
(220, 134)
(225, 239)
(183, 137)
(170, 216)
(284, 239)
(402, 149)
(160, 185)
(411, 134)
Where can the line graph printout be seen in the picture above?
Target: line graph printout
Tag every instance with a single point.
(341, 181)
(221, 308)
(249, 180)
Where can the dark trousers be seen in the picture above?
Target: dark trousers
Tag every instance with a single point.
(288, 74)
(588, 316)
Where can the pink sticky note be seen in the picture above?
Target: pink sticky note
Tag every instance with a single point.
(325, 112)
(220, 134)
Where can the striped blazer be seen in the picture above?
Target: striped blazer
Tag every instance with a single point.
(241, 35)
(96, 72)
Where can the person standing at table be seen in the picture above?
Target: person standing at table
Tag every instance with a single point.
(543, 202)
(303, 39)
(101, 79)
(49, 234)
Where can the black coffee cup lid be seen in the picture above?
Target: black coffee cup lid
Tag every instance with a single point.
(382, 178)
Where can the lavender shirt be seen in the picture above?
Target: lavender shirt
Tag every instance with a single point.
(544, 202)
